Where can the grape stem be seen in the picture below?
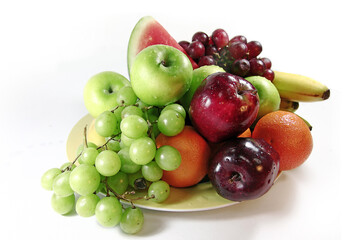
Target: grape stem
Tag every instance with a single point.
(68, 168)
(85, 137)
(122, 105)
(123, 196)
(105, 144)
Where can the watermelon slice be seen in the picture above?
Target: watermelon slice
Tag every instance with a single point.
(149, 32)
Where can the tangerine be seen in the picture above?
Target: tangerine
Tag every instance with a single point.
(289, 136)
(195, 154)
(245, 134)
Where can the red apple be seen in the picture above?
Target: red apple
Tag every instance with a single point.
(223, 106)
(244, 169)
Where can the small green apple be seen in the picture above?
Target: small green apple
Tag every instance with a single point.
(198, 76)
(268, 95)
(100, 91)
(160, 75)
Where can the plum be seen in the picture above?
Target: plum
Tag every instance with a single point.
(244, 168)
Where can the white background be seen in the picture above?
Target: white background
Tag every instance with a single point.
(49, 49)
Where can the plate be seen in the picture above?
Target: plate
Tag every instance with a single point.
(200, 197)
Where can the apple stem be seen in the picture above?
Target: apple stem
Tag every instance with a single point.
(235, 177)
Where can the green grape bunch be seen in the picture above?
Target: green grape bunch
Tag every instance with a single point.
(106, 178)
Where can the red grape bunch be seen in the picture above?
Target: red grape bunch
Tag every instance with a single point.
(236, 56)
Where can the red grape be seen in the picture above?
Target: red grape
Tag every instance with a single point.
(201, 37)
(237, 56)
(257, 67)
(255, 49)
(269, 74)
(196, 50)
(238, 50)
(240, 67)
(206, 60)
(220, 38)
(184, 45)
(238, 38)
(267, 62)
(210, 50)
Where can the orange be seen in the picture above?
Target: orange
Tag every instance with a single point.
(245, 134)
(195, 154)
(289, 136)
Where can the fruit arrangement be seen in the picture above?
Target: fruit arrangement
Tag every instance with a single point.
(210, 110)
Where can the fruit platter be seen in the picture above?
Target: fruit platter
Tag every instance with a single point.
(198, 125)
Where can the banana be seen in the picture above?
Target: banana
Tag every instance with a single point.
(306, 122)
(288, 105)
(300, 88)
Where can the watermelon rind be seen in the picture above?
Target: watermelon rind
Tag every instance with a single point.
(147, 32)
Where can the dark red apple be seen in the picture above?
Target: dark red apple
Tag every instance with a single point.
(244, 169)
(223, 106)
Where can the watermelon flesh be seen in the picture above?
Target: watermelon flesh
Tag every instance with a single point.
(149, 32)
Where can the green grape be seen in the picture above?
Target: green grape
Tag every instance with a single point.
(81, 147)
(61, 185)
(171, 123)
(84, 179)
(106, 124)
(134, 126)
(160, 190)
(176, 107)
(151, 171)
(141, 104)
(66, 165)
(117, 113)
(48, 177)
(113, 144)
(126, 96)
(117, 129)
(122, 145)
(85, 205)
(101, 187)
(134, 177)
(131, 110)
(126, 141)
(152, 114)
(142, 150)
(89, 155)
(132, 220)
(155, 130)
(127, 165)
(108, 211)
(119, 182)
(108, 163)
(63, 205)
(168, 158)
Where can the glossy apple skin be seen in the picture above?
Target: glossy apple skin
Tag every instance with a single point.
(269, 96)
(160, 75)
(244, 169)
(100, 91)
(223, 106)
(198, 76)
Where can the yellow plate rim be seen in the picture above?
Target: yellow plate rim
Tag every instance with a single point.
(201, 197)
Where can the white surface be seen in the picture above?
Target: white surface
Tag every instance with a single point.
(49, 49)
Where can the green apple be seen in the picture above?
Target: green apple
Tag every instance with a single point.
(268, 95)
(160, 75)
(198, 76)
(100, 91)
